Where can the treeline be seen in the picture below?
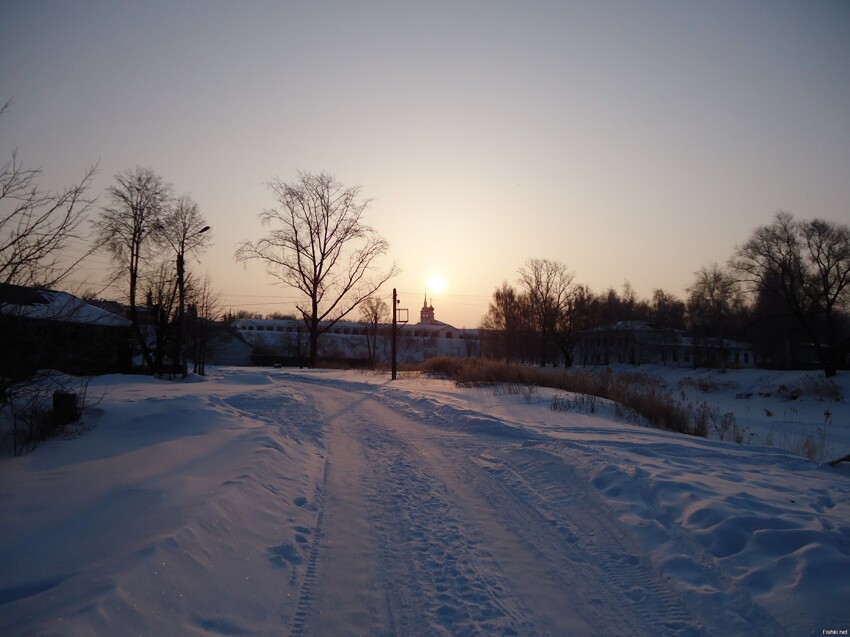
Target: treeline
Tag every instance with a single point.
(785, 291)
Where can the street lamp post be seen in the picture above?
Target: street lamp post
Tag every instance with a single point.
(181, 299)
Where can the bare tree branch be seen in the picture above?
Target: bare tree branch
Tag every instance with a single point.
(37, 226)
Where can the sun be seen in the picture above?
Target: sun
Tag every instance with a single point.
(436, 283)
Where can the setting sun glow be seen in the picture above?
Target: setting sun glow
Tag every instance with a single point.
(436, 283)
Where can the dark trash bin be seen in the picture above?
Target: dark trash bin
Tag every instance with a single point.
(65, 407)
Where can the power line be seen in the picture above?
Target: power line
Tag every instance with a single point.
(261, 296)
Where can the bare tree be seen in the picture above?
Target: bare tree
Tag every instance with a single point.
(204, 311)
(138, 204)
(573, 317)
(374, 311)
(184, 229)
(668, 312)
(807, 265)
(37, 226)
(505, 322)
(827, 281)
(159, 288)
(318, 244)
(713, 300)
(548, 285)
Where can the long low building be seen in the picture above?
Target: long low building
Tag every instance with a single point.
(288, 339)
(641, 343)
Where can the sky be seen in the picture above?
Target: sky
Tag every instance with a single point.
(631, 141)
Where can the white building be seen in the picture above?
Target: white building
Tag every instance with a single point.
(287, 340)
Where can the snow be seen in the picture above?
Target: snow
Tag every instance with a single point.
(268, 502)
(61, 306)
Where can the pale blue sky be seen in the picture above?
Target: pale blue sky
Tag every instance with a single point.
(630, 140)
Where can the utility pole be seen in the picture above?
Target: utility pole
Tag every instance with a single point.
(395, 334)
(181, 323)
(396, 321)
(181, 301)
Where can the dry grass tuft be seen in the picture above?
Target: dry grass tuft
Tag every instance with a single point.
(638, 395)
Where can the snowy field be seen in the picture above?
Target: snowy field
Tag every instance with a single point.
(285, 502)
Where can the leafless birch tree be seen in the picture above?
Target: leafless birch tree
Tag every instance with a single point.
(138, 204)
(318, 244)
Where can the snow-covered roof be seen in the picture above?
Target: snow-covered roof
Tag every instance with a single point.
(50, 305)
(431, 325)
(714, 342)
(621, 326)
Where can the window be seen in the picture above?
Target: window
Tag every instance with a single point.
(746, 358)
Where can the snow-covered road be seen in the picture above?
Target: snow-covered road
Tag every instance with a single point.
(420, 532)
(326, 503)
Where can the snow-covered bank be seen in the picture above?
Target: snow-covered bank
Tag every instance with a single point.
(190, 508)
(162, 520)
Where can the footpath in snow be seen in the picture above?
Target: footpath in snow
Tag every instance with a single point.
(278, 502)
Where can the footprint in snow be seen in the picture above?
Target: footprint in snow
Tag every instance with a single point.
(304, 503)
(284, 554)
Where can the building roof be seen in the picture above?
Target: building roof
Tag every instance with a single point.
(50, 305)
(626, 326)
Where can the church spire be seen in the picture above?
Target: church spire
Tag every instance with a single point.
(426, 315)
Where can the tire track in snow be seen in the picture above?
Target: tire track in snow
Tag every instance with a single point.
(306, 595)
(430, 495)
(734, 611)
(438, 580)
(555, 487)
(291, 416)
(589, 551)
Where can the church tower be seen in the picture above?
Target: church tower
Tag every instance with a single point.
(426, 314)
